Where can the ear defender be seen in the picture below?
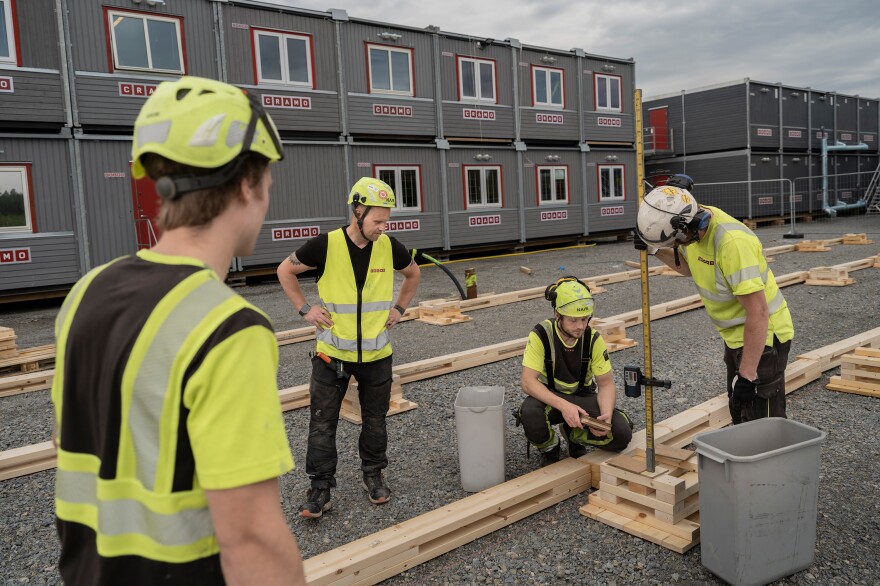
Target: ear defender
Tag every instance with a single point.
(166, 187)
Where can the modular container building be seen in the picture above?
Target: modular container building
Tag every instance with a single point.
(795, 111)
(612, 190)
(797, 169)
(608, 100)
(821, 118)
(549, 92)
(553, 192)
(869, 123)
(846, 124)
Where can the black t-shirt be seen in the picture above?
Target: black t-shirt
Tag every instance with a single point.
(314, 254)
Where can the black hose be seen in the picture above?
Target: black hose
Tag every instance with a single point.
(461, 291)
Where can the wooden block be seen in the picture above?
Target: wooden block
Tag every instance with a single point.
(674, 453)
(679, 537)
(525, 270)
(856, 239)
(812, 246)
(867, 390)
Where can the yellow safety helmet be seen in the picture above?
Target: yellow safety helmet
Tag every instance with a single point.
(372, 192)
(571, 297)
(201, 123)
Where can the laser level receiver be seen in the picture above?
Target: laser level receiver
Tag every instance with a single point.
(634, 380)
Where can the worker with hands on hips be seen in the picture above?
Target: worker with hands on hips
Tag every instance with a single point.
(726, 262)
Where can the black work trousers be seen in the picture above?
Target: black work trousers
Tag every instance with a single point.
(539, 418)
(326, 393)
(771, 390)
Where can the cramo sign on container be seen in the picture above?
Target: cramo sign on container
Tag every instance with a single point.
(611, 211)
(478, 221)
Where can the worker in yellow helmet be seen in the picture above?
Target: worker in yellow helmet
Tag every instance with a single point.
(168, 426)
(726, 261)
(355, 267)
(566, 373)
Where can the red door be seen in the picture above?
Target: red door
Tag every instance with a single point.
(146, 208)
(659, 128)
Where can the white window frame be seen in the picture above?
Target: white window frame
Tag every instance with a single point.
(29, 221)
(548, 86)
(145, 17)
(483, 169)
(612, 169)
(397, 182)
(477, 85)
(606, 80)
(10, 34)
(412, 77)
(285, 63)
(555, 197)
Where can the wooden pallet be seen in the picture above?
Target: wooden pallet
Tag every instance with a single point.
(812, 246)
(830, 277)
(402, 546)
(859, 373)
(753, 223)
(351, 405)
(447, 314)
(861, 238)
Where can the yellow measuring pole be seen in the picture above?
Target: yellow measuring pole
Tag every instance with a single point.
(646, 305)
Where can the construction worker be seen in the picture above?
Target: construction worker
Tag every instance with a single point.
(581, 382)
(355, 267)
(726, 261)
(168, 426)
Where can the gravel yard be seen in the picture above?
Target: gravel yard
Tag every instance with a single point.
(557, 545)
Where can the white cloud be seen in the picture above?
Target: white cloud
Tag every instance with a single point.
(830, 45)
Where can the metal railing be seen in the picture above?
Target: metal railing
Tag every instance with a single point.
(843, 188)
(872, 193)
(658, 140)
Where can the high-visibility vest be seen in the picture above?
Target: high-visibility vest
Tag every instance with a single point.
(727, 237)
(136, 513)
(359, 315)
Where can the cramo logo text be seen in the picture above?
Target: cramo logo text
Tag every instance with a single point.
(704, 261)
(377, 270)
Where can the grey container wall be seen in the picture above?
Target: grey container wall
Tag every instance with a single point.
(550, 219)
(715, 119)
(847, 125)
(32, 95)
(305, 200)
(107, 198)
(542, 122)
(869, 123)
(322, 113)
(469, 118)
(763, 118)
(608, 125)
(730, 167)
(414, 115)
(617, 214)
(795, 118)
(101, 92)
(821, 117)
(797, 168)
(51, 251)
(416, 228)
(470, 225)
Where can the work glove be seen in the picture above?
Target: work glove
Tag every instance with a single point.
(743, 390)
(640, 244)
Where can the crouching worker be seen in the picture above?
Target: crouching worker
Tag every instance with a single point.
(581, 382)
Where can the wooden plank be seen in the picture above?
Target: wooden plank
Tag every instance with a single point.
(836, 384)
(448, 527)
(23, 383)
(674, 453)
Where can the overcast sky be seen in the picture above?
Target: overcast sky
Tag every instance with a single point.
(829, 45)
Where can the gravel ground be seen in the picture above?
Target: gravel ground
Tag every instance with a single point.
(557, 545)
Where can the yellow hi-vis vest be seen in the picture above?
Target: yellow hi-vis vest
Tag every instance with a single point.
(729, 261)
(358, 333)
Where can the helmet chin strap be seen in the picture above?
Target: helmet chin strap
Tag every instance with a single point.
(360, 219)
(566, 332)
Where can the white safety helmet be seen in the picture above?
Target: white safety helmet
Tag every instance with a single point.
(669, 215)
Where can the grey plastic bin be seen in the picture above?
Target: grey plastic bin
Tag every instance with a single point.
(479, 423)
(759, 484)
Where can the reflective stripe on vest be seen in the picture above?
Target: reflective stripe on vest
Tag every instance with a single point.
(358, 333)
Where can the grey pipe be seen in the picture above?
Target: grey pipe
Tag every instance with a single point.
(838, 207)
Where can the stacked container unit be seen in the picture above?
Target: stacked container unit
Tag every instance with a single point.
(869, 123)
(38, 225)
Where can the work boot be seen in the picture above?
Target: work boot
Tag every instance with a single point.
(379, 493)
(576, 450)
(551, 456)
(317, 501)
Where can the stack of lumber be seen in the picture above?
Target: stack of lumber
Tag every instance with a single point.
(7, 343)
(351, 405)
(830, 277)
(859, 373)
(442, 314)
(614, 333)
(857, 239)
(812, 246)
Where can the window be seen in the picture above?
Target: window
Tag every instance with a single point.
(390, 70)
(608, 92)
(406, 183)
(552, 185)
(611, 186)
(476, 79)
(283, 58)
(548, 87)
(482, 187)
(141, 42)
(7, 33)
(16, 213)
